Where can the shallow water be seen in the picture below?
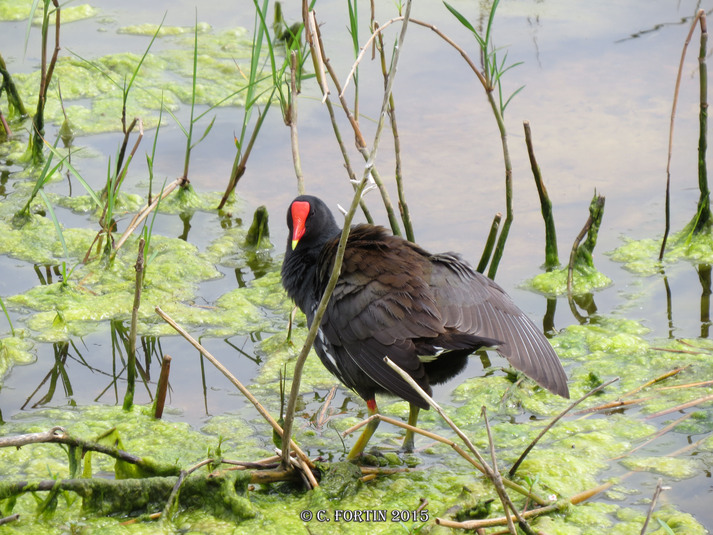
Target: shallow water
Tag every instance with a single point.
(599, 81)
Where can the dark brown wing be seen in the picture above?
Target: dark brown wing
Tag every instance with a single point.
(381, 304)
(471, 302)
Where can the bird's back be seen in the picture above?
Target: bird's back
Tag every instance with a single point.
(395, 299)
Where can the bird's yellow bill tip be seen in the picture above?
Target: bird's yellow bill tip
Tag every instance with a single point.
(294, 244)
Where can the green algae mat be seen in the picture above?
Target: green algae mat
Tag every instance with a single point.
(655, 422)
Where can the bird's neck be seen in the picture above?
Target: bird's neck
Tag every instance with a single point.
(300, 271)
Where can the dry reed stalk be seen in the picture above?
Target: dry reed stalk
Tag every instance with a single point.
(549, 426)
(263, 412)
(680, 407)
(677, 87)
(497, 480)
(146, 210)
(291, 119)
(508, 483)
(659, 434)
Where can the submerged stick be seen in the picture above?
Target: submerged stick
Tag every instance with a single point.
(621, 401)
(680, 407)
(9, 519)
(659, 434)
(655, 380)
(491, 522)
(590, 493)
(59, 435)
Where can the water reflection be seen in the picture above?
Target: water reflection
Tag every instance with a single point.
(77, 373)
(586, 303)
(186, 220)
(704, 276)
(685, 20)
(49, 271)
(58, 372)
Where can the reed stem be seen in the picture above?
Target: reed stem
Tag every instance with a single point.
(131, 357)
(551, 255)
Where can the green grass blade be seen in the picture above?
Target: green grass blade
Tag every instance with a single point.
(511, 97)
(42, 179)
(33, 8)
(7, 315)
(79, 177)
(207, 130)
(57, 228)
(141, 61)
(104, 73)
(148, 231)
(354, 32)
(465, 22)
(231, 95)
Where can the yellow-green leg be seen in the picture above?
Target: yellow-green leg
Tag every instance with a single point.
(412, 420)
(363, 439)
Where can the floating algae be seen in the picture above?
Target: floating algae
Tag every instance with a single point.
(11, 10)
(641, 256)
(92, 88)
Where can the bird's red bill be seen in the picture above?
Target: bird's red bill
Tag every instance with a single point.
(300, 211)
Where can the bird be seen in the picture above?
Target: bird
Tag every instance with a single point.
(426, 312)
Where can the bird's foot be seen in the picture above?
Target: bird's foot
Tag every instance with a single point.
(407, 446)
(373, 457)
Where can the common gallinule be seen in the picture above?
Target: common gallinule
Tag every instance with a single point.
(426, 312)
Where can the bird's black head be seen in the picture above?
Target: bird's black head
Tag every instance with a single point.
(310, 223)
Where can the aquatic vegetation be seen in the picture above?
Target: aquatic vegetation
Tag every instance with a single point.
(605, 442)
(93, 101)
(20, 10)
(641, 256)
(584, 280)
(574, 455)
(13, 351)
